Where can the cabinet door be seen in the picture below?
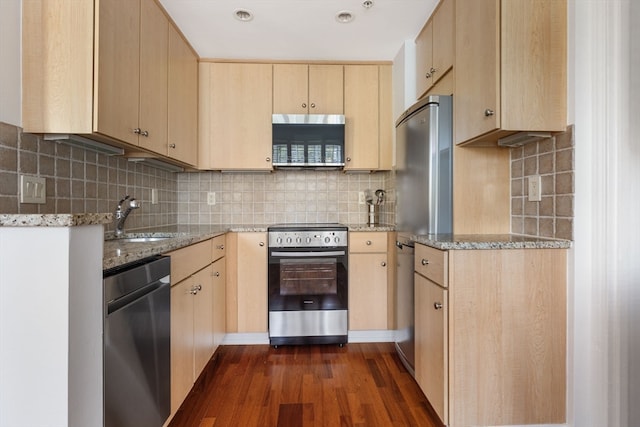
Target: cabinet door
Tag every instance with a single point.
(326, 89)
(236, 105)
(252, 282)
(368, 291)
(219, 301)
(154, 39)
(431, 331)
(183, 100)
(361, 116)
(477, 103)
(202, 319)
(443, 39)
(181, 342)
(290, 89)
(118, 69)
(424, 59)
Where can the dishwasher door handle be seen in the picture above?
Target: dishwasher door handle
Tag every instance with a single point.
(127, 299)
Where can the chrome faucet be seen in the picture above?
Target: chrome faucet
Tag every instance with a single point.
(120, 216)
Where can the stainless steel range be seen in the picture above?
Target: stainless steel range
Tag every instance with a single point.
(308, 284)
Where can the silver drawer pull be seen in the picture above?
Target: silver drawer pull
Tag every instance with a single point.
(368, 242)
(217, 274)
(221, 247)
(425, 261)
(384, 264)
(437, 305)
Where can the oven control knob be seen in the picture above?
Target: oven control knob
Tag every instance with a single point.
(298, 240)
(289, 240)
(308, 239)
(327, 239)
(279, 240)
(337, 239)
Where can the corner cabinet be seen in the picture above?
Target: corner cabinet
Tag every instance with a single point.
(368, 117)
(511, 62)
(235, 107)
(490, 330)
(308, 89)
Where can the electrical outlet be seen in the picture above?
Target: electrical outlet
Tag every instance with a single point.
(154, 196)
(211, 198)
(535, 192)
(361, 198)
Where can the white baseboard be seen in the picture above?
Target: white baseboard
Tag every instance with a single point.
(372, 336)
(252, 338)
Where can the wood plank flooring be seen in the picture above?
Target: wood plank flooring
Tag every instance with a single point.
(306, 386)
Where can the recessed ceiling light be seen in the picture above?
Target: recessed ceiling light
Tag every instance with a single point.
(344, 16)
(367, 4)
(243, 15)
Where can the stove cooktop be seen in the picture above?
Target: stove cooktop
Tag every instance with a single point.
(303, 226)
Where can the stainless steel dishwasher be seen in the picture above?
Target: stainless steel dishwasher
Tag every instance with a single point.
(405, 339)
(137, 353)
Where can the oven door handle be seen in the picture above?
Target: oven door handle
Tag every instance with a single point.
(307, 254)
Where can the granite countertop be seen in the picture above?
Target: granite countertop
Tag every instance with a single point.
(489, 241)
(54, 220)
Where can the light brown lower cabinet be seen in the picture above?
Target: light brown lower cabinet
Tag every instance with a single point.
(197, 312)
(491, 338)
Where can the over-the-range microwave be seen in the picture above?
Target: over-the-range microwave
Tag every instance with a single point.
(308, 141)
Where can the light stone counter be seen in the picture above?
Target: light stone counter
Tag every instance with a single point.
(489, 241)
(54, 220)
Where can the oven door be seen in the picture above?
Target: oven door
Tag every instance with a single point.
(308, 279)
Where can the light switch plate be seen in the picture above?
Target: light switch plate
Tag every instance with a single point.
(154, 196)
(33, 189)
(211, 198)
(535, 192)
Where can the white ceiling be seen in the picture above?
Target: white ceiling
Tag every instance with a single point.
(299, 29)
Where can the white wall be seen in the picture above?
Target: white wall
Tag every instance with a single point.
(10, 62)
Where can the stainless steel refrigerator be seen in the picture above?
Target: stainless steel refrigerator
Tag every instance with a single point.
(424, 200)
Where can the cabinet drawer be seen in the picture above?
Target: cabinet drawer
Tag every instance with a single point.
(219, 249)
(186, 261)
(367, 242)
(432, 264)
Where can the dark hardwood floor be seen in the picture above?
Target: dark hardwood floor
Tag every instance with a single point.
(300, 386)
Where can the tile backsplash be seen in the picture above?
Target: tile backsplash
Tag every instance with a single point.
(553, 160)
(279, 197)
(80, 180)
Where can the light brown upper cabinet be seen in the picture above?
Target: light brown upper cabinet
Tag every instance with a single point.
(435, 47)
(115, 89)
(510, 74)
(362, 117)
(235, 106)
(183, 101)
(308, 89)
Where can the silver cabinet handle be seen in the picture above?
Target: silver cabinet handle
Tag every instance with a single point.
(304, 105)
(137, 131)
(217, 274)
(221, 247)
(313, 105)
(437, 305)
(427, 76)
(198, 287)
(144, 133)
(172, 145)
(432, 70)
(261, 243)
(268, 159)
(348, 159)
(424, 261)
(488, 112)
(384, 264)
(368, 242)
